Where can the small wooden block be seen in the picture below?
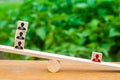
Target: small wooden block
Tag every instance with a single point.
(96, 57)
(53, 66)
(22, 25)
(19, 44)
(20, 35)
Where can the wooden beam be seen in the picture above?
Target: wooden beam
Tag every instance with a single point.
(57, 57)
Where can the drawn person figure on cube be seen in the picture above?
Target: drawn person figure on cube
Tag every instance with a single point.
(20, 36)
(96, 59)
(19, 45)
(22, 27)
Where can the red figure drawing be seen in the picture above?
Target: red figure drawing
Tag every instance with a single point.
(96, 58)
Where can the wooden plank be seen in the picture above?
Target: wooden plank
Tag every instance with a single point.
(36, 70)
(58, 57)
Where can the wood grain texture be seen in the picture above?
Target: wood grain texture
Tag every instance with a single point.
(37, 70)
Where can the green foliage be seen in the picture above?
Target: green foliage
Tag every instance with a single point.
(68, 27)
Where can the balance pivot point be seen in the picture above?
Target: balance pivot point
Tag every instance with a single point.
(53, 65)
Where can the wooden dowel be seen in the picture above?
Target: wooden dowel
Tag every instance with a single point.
(53, 65)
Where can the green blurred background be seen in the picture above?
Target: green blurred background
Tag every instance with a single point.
(66, 27)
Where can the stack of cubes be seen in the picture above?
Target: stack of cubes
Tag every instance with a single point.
(20, 34)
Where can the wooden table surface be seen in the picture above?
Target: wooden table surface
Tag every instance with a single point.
(37, 70)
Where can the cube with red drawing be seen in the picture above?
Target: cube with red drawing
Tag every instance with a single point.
(96, 57)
